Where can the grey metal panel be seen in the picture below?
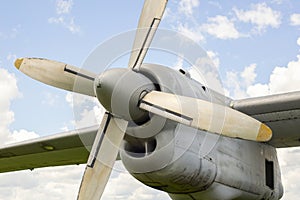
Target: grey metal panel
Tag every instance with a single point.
(61, 149)
(280, 112)
(267, 104)
(175, 82)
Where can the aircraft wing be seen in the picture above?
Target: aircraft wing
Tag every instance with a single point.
(61, 149)
(280, 112)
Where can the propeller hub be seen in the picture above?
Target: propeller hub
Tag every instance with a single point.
(119, 91)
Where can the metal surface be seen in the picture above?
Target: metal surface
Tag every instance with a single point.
(66, 148)
(280, 112)
(232, 169)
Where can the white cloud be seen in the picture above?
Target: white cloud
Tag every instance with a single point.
(9, 91)
(295, 19)
(215, 4)
(144, 193)
(238, 82)
(63, 7)
(67, 23)
(89, 117)
(56, 20)
(277, 1)
(282, 79)
(221, 27)
(233, 85)
(214, 57)
(50, 99)
(192, 33)
(187, 6)
(11, 57)
(258, 90)
(205, 71)
(8, 87)
(249, 75)
(64, 16)
(21, 135)
(298, 41)
(87, 110)
(260, 15)
(46, 183)
(290, 170)
(76, 99)
(69, 99)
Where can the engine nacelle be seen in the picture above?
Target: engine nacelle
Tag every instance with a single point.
(170, 161)
(192, 164)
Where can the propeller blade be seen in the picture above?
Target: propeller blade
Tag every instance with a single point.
(149, 20)
(102, 157)
(206, 116)
(58, 74)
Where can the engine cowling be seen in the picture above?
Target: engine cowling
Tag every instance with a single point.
(169, 162)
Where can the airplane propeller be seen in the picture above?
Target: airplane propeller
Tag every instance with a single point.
(114, 123)
(102, 157)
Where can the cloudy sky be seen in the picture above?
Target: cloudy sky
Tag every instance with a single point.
(254, 44)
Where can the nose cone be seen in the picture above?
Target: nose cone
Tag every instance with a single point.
(119, 91)
(105, 85)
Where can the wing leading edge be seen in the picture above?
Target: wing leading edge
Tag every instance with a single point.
(60, 149)
(280, 112)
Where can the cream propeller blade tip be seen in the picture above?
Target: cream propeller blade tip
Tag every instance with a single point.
(58, 74)
(18, 62)
(199, 114)
(264, 133)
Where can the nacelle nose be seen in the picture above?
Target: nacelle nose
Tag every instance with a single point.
(119, 91)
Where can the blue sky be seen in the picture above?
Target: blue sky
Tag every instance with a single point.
(254, 44)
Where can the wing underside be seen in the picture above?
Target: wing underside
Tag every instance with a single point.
(280, 112)
(61, 149)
